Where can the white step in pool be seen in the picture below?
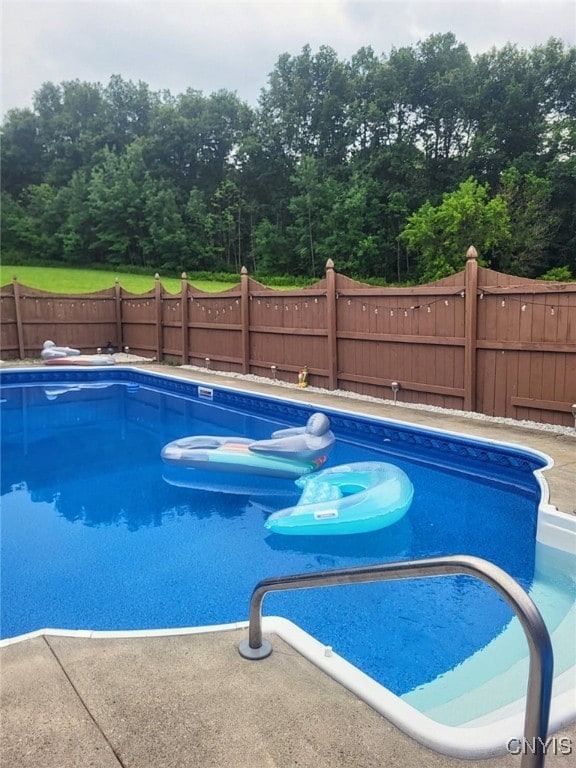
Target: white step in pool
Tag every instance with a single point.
(477, 691)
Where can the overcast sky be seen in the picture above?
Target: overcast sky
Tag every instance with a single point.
(212, 44)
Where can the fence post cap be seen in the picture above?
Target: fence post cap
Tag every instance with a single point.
(472, 253)
(243, 271)
(184, 276)
(156, 276)
(329, 264)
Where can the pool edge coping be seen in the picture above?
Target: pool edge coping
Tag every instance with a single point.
(465, 742)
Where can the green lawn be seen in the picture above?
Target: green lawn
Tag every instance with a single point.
(65, 280)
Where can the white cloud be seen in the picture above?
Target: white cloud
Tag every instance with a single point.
(214, 44)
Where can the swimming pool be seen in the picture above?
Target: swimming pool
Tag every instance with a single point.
(94, 537)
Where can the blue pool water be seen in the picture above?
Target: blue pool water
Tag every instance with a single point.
(93, 537)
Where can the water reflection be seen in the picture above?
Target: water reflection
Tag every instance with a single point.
(387, 544)
(106, 501)
(107, 476)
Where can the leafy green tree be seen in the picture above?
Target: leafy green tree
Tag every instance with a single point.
(400, 84)
(22, 153)
(70, 120)
(264, 174)
(532, 223)
(227, 226)
(443, 94)
(272, 250)
(394, 215)
(197, 227)
(305, 107)
(172, 149)
(439, 236)
(76, 231)
(14, 225)
(520, 96)
(30, 226)
(370, 108)
(558, 275)
(194, 138)
(443, 81)
(165, 243)
(312, 208)
(353, 227)
(118, 192)
(561, 173)
(128, 111)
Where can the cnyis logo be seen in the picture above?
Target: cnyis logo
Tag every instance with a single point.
(553, 745)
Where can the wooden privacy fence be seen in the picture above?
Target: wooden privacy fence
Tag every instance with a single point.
(477, 341)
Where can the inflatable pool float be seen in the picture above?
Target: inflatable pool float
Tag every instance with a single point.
(53, 355)
(289, 453)
(81, 360)
(51, 352)
(350, 498)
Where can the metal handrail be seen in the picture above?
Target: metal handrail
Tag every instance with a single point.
(541, 663)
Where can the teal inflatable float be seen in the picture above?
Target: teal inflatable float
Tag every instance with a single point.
(350, 498)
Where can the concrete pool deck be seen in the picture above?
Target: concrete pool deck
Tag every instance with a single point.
(191, 700)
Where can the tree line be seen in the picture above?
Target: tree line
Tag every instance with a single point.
(391, 165)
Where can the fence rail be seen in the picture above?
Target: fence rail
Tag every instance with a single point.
(476, 341)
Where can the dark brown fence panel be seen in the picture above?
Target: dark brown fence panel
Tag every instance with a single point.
(478, 340)
(84, 321)
(526, 340)
(215, 330)
(171, 324)
(217, 348)
(537, 386)
(288, 332)
(411, 336)
(8, 324)
(283, 353)
(139, 323)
